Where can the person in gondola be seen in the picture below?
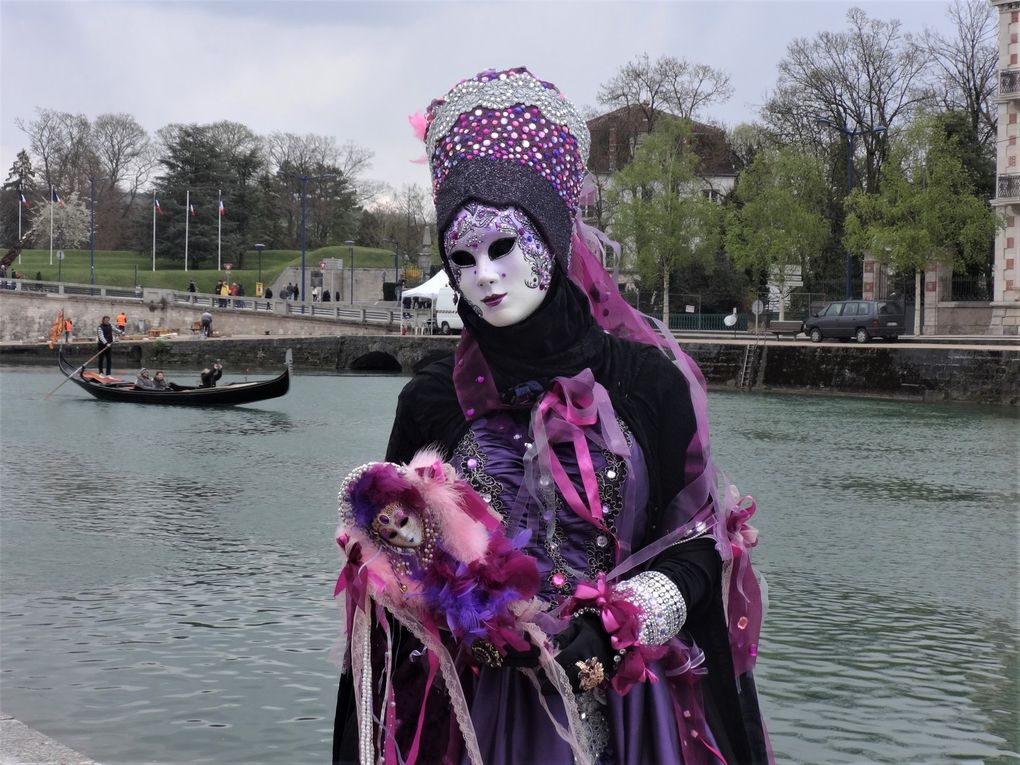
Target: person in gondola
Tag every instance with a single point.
(210, 375)
(105, 333)
(159, 381)
(584, 432)
(144, 381)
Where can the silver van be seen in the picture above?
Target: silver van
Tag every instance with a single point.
(859, 319)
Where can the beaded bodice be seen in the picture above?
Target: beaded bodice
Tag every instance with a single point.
(491, 457)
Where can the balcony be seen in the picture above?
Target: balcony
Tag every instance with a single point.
(1009, 82)
(1008, 187)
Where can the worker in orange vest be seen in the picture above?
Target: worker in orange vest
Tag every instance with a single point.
(121, 321)
(68, 326)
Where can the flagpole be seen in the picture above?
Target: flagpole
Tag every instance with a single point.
(154, 232)
(51, 224)
(219, 231)
(187, 217)
(21, 204)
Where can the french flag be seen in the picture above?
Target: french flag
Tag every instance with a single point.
(223, 210)
(191, 209)
(156, 205)
(57, 199)
(24, 202)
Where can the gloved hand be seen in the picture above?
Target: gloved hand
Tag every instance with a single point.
(584, 638)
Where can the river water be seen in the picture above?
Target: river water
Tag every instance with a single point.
(166, 574)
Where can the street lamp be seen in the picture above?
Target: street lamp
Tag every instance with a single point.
(396, 267)
(851, 135)
(350, 244)
(92, 232)
(304, 184)
(259, 248)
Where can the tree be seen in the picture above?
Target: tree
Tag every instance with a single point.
(668, 84)
(20, 180)
(70, 222)
(966, 65)
(928, 208)
(868, 75)
(660, 210)
(192, 162)
(778, 222)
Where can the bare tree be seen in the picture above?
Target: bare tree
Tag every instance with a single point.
(866, 76)
(46, 142)
(668, 84)
(966, 64)
(638, 83)
(690, 86)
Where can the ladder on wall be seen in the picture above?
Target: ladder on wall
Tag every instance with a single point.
(752, 357)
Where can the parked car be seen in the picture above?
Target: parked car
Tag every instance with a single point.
(859, 319)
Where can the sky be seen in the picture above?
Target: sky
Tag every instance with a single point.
(356, 70)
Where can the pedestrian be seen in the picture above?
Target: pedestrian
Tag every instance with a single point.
(191, 286)
(206, 324)
(268, 294)
(105, 333)
(68, 327)
(617, 620)
(288, 291)
(315, 294)
(325, 296)
(122, 322)
(295, 293)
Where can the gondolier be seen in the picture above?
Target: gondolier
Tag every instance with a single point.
(105, 333)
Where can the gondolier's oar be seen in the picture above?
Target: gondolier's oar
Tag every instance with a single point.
(83, 365)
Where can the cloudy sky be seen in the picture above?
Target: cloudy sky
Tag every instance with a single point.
(355, 70)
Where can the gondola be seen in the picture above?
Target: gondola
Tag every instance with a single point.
(180, 395)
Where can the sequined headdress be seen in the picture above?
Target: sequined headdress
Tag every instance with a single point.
(508, 138)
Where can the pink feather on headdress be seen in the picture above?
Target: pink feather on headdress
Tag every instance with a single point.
(419, 124)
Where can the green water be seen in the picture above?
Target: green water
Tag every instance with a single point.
(166, 574)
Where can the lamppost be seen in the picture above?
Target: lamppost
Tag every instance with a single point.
(350, 245)
(259, 248)
(396, 266)
(851, 135)
(92, 232)
(304, 185)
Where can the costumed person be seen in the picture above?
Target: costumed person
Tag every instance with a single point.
(595, 601)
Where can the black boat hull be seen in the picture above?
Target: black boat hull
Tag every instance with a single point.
(224, 395)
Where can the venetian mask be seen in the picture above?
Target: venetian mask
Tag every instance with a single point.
(498, 262)
(399, 527)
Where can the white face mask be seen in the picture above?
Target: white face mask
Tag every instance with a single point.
(500, 264)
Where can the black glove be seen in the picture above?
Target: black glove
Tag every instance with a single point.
(583, 639)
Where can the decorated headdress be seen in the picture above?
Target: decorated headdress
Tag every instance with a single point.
(508, 138)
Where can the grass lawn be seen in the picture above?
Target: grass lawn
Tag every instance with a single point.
(118, 268)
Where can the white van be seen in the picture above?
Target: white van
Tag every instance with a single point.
(445, 317)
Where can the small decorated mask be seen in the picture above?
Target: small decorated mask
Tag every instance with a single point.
(399, 527)
(499, 262)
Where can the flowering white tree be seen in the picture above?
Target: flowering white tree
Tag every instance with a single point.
(70, 222)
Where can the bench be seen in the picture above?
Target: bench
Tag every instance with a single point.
(196, 326)
(778, 328)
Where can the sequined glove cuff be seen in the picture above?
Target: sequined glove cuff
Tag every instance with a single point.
(663, 609)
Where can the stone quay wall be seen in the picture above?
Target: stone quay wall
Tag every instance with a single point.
(28, 317)
(919, 374)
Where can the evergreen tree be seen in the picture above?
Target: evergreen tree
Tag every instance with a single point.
(20, 180)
